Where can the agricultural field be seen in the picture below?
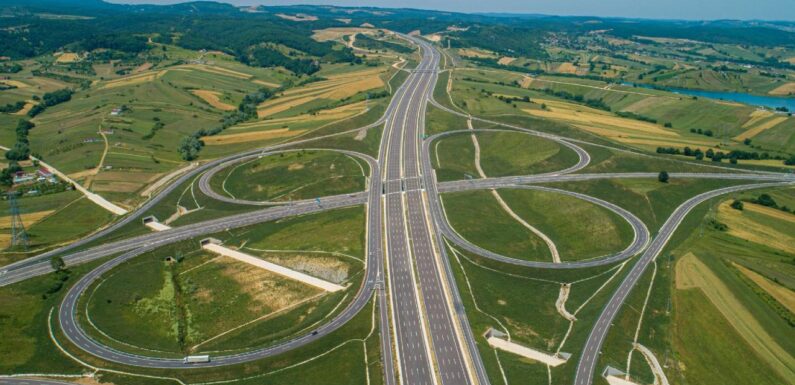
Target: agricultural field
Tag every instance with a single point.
(636, 117)
(723, 297)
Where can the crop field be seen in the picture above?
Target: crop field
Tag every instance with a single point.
(314, 95)
(213, 98)
(292, 176)
(693, 274)
(718, 311)
(479, 89)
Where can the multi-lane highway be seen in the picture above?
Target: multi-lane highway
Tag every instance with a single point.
(425, 335)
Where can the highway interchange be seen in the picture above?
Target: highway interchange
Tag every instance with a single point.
(429, 339)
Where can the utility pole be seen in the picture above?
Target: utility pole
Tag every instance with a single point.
(19, 237)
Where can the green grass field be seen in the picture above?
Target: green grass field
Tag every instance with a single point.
(478, 218)
(208, 304)
(293, 176)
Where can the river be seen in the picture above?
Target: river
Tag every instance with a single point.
(754, 100)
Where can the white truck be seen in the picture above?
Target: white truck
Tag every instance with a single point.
(196, 359)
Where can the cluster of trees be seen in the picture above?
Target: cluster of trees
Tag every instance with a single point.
(190, 146)
(11, 108)
(367, 42)
(21, 148)
(513, 40)
(50, 99)
(269, 57)
(11, 68)
(702, 132)
(632, 115)
(118, 42)
(718, 156)
(594, 103)
(768, 201)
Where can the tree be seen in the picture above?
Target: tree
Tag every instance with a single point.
(663, 176)
(57, 263)
(766, 200)
(189, 147)
(737, 205)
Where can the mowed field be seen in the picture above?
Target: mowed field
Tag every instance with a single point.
(694, 274)
(292, 176)
(733, 296)
(478, 217)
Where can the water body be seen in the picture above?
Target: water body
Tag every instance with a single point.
(754, 100)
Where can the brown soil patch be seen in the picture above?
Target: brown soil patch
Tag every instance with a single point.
(5, 240)
(249, 136)
(784, 89)
(267, 84)
(505, 60)
(759, 128)
(337, 33)
(295, 166)
(218, 70)
(212, 98)
(141, 68)
(328, 268)
(468, 52)
(297, 17)
(67, 57)
(336, 88)
(769, 211)
(269, 290)
(28, 219)
(15, 83)
(782, 294)
(566, 68)
(133, 80)
(526, 82)
(25, 109)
